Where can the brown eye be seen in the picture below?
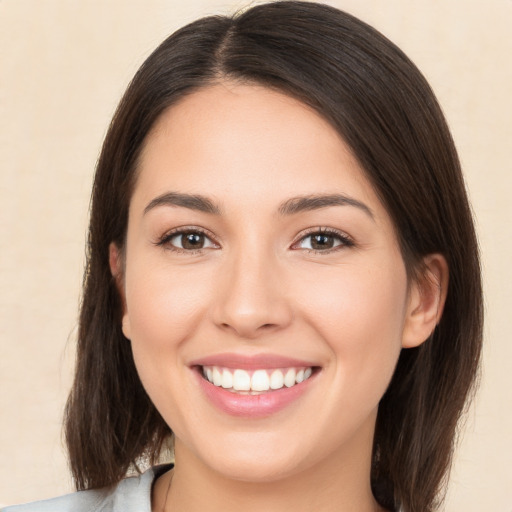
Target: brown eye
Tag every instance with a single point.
(322, 242)
(191, 240)
(186, 240)
(325, 241)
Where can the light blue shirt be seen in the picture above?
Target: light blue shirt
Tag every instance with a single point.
(132, 494)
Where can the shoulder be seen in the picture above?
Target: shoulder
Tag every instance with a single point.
(132, 494)
(97, 500)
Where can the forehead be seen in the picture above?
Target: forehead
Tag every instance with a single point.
(249, 143)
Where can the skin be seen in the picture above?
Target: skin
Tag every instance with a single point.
(256, 287)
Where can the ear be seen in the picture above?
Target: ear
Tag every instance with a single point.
(427, 295)
(115, 259)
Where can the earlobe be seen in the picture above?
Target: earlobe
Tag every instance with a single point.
(117, 271)
(125, 325)
(116, 265)
(427, 296)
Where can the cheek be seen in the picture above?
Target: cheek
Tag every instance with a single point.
(164, 308)
(163, 303)
(359, 312)
(356, 298)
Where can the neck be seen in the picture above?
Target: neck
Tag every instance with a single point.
(339, 484)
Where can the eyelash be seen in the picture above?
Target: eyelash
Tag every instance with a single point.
(346, 241)
(164, 241)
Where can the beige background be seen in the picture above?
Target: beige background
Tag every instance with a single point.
(64, 65)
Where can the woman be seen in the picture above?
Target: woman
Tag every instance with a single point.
(282, 273)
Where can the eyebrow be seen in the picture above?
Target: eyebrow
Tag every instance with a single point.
(191, 201)
(289, 207)
(318, 201)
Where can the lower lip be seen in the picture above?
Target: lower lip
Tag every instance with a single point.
(252, 406)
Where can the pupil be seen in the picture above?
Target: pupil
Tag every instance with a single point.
(322, 242)
(193, 241)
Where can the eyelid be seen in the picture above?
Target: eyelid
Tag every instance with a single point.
(346, 240)
(163, 241)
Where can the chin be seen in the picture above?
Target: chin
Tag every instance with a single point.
(257, 469)
(254, 457)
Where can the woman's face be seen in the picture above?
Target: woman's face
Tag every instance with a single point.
(258, 255)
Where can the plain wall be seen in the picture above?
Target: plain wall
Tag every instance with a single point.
(63, 67)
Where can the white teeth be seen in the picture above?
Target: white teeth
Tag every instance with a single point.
(276, 379)
(217, 377)
(289, 378)
(241, 380)
(227, 379)
(260, 380)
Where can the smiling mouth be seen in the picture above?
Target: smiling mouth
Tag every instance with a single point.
(256, 381)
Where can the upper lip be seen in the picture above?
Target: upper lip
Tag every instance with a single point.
(254, 361)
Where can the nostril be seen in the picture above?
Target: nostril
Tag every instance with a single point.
(248, 329)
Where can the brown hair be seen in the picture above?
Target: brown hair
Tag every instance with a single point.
(384, 109)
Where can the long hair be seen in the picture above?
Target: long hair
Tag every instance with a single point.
(381, 105)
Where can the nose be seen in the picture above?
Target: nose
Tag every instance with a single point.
(252, 296)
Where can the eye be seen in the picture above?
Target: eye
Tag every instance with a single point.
(324, 240)
(186, 240)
